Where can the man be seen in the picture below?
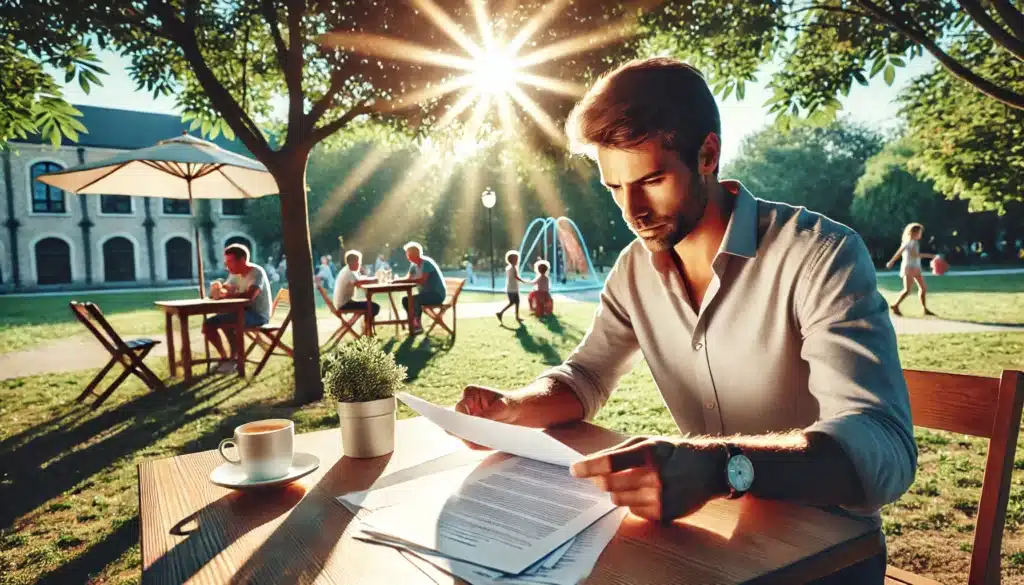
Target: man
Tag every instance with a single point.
(425, 273)
(347, 297)
(245, 281)
(761, 324)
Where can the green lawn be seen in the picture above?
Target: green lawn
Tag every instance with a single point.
(979, 299)
(68, 482)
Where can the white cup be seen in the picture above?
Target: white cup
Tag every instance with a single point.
(265, 448)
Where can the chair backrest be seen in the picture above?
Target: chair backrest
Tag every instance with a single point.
(984, 407)
(282, 308)
(326, 297)
(453, 287)
(90, 315)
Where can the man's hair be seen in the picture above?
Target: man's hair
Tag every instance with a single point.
(658, 98)
(416, 245)
(353, 254)
(239, 251)
(510, 254)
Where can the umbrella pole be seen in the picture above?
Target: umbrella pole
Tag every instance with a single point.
(199, 248)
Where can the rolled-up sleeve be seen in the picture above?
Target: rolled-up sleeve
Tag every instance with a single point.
(607, 352)
(855, 372)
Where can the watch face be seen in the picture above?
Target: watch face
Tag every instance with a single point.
(740, 472)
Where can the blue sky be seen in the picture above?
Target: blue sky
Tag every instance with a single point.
(874, 104)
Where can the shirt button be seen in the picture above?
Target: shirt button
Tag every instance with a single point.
(697, 345)
(709, 405)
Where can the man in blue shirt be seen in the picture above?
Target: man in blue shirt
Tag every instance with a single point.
(425, 273)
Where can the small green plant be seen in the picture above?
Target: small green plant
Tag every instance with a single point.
(361, 371)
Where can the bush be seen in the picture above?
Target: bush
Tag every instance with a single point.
(361, 371)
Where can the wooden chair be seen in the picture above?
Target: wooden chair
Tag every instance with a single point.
(983, 407)
(453, 287)
(268, 337)
(127, 352)
(348, 318)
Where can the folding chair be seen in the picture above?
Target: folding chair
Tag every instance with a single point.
(129, 353)
(983, 407)
(348, 318)
(453, 286)
(268, 337)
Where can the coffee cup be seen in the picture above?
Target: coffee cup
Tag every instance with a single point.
(265, 448)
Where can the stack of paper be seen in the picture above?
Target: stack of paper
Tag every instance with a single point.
(519, 518)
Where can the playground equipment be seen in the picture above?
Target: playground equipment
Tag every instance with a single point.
(562, 245)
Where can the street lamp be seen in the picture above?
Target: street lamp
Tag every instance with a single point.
(489, 198)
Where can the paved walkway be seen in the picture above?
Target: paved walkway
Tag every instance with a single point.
(83, 352)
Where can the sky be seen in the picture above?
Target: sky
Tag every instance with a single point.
(873, 105)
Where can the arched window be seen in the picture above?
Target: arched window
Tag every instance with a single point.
(53, 261)
(118, 260)
(46, 199)
(178, 253)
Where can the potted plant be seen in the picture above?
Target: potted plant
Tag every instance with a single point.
(363, 378)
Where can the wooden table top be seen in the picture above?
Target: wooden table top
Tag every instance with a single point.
(195, 531)
(200, 305)
(387, 286)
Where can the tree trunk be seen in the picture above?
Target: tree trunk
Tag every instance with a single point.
(290, 175)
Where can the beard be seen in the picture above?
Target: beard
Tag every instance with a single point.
(660, 233)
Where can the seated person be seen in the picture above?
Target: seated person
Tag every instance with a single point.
(347, 295)
(540, 300)
(425, 273)
(245, 281)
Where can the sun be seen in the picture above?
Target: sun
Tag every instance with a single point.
(495, 72)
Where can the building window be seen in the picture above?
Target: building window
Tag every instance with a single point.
(177, 207)
(178, 254)
(118, 260)
(45, 198)
(53, 261)
(116, 204)
(232, 207)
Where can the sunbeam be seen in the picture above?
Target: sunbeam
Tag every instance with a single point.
(353, 180)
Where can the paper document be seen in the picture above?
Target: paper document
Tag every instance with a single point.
(504, 516)
(514, 439)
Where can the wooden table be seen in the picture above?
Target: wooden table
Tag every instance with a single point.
(193, 530)
(186, 308)
(389, 288)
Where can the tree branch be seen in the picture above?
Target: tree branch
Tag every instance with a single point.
(270, 15)
(957, 69)
(324, 103)
(827, 8)
(1004, 39)
(1011, 16)
(294, 64)
(332, 127)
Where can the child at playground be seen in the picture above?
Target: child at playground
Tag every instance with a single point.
(540, 300)
(512, 281)
(910, 268)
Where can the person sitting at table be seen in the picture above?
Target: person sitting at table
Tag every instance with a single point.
(761, 323)
(347, 295)
(245, 281)
(424, 272)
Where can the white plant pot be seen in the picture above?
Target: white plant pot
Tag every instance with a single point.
(367, 428)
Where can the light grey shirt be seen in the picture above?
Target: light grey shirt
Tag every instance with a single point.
(792, 334)
(257, 277)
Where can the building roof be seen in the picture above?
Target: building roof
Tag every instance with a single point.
(129, 129)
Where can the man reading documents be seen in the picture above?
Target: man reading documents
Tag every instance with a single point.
(761, 323)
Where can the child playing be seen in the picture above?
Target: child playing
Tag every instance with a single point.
(910, 268)
(512, 281)
(540, 298)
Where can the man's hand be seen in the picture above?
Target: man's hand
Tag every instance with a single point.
(486, 403)
(657, 479)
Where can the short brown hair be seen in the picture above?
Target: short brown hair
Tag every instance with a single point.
(239, 251)
(658, 98)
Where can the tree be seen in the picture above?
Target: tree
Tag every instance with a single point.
(817, 167)
(333, 64)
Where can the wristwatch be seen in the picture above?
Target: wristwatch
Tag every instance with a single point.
(739, 472)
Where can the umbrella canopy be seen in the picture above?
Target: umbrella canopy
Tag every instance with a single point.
(184, 167)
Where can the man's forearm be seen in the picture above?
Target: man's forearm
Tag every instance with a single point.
(545, 403)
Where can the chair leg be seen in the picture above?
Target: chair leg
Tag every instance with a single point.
(266, 354)
(96, 380)
(140, 369)
(117, 382)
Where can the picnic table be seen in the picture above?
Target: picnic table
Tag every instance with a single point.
(388, 288)
(193, 530)
(184, 309)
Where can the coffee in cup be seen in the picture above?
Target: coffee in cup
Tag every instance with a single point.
(265, 448)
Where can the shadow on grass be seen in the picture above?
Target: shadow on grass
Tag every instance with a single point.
(96, 557)
(549, 355)
(415, 356)
(561, 328)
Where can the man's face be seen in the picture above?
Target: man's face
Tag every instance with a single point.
(413, 255)
(233, 264)
(661, 199)
(353, 264)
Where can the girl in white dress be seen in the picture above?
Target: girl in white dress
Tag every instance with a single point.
(910, 268)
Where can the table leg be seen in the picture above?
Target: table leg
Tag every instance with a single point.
(394, 311)
(411, 311)
(186, 347)
(240, 340)
(169, 322)
(369, 314)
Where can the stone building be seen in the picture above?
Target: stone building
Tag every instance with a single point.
(59, 240)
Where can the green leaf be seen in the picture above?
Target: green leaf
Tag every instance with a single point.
(878, 65)
(889, 74)
(897, 61)
(83, 83)
(741, 90)
(728, 90)
(860, 78)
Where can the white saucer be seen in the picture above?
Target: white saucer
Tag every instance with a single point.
(232, 476)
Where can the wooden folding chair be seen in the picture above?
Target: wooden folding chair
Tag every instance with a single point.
(453, 287)
(268, 337)
(983, 407)
(129, 353)
(348, 318)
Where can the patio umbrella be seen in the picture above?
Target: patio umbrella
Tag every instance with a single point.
(184, 167)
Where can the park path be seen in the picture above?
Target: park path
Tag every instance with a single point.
(83, 352)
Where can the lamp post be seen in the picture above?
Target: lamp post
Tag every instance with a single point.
(489, 198)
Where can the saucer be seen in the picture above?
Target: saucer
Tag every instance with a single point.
(232, 476)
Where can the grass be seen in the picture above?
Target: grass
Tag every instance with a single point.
(978, 299)
(69, 477)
